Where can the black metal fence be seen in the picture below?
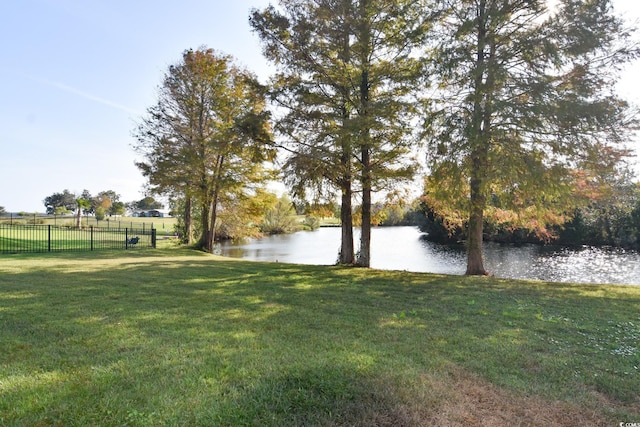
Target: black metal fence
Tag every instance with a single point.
(49, 238)
(85, 221)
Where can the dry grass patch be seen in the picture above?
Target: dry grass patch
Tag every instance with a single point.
(472, 401)
(460, 399)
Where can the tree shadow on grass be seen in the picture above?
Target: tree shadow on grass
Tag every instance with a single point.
(323, 395)
(146, 317)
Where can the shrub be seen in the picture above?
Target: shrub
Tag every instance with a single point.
(280, 219)
(100, 213)
(311, 222)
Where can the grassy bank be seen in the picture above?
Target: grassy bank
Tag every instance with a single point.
(180, 338)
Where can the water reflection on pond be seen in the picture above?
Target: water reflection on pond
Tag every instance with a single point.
(404, 248)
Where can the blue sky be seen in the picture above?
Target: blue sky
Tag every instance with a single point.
(76, 76)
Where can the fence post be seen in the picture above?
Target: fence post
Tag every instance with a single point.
(91, 230)
(49, 237)
(153, 238)
(126, 238)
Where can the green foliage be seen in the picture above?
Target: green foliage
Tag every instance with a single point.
(399, 210)
(281, 218)
(527, 108)
(186, 229)
(239, 218)
(322, 210)
(65, 200)
(147, 203)
(100, 213)
(609, 219)
(345, 72)
(63, 203)
(311, 222)
(206, 140)
(82, 204)
(108, 202)
(242, 217)
(61, 210)
(117, 208)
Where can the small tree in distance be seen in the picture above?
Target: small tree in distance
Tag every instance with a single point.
(148, 203)
(61, 210)
(82, 204)
(100, 213)
(66, 199)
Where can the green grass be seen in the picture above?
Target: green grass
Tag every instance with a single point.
(173, 337)
(41, 239)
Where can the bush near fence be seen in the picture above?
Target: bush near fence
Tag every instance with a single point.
(48, 238)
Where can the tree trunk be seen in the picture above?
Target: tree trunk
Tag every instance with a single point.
(346, 217)
(364, 257)
(188, 221)
(204, 224)
(213, 207)
(211, 235)
(347, 255)
(479, 155)
(475, 264)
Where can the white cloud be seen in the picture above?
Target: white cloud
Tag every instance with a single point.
(91, 97)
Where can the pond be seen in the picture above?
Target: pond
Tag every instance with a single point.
(405, 248)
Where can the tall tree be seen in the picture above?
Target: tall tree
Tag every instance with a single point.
(82, 204)
(528, 101)
(346, 70)
(309, 42)
(205, 140)
(105, 200)
(146, 203)
(118, 208)
(65, 199)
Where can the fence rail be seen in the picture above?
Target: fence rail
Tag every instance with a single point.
(49, 238)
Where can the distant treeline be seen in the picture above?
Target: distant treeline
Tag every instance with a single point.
(614, 223)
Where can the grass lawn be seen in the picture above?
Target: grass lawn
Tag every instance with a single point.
(173, 337)
(39, 238)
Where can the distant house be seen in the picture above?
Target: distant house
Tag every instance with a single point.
(153, 213)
